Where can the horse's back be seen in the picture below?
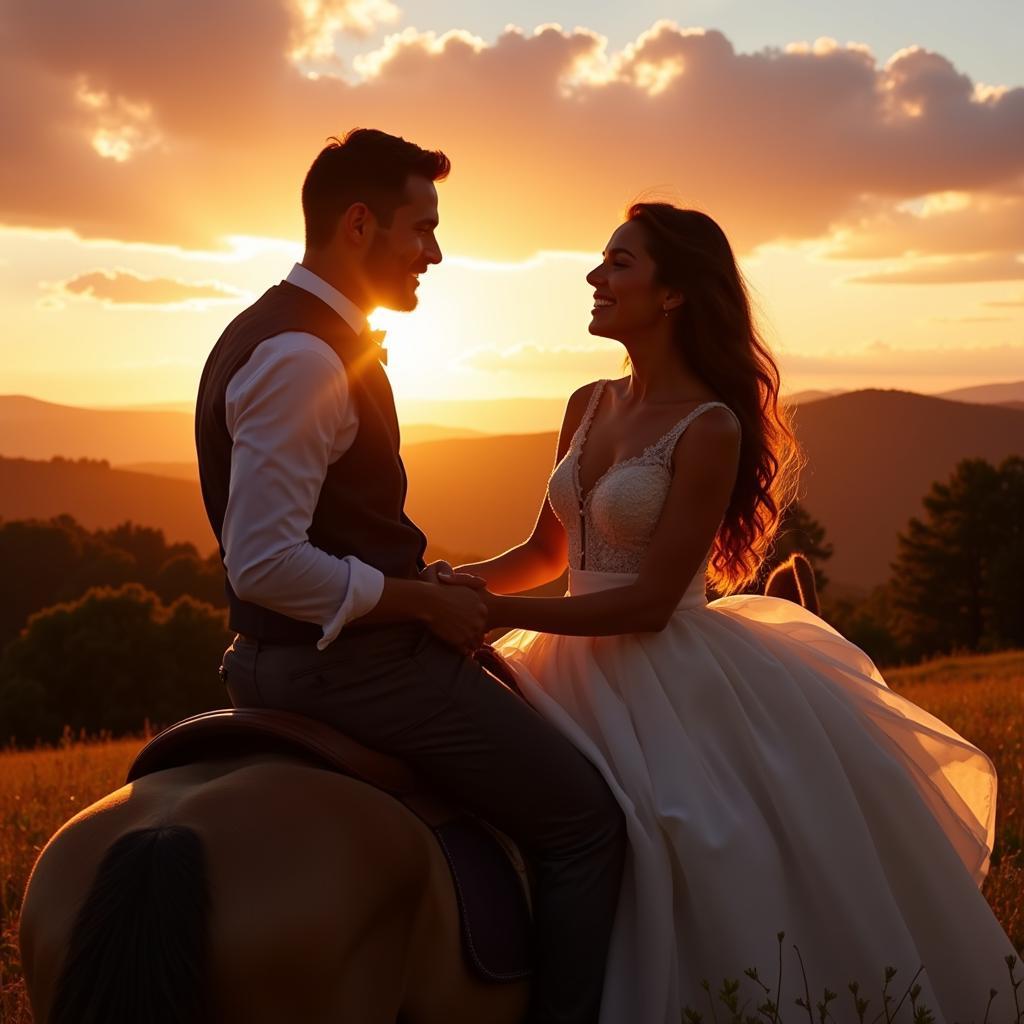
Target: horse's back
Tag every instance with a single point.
(310, 873)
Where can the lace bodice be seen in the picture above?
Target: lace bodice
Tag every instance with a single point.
(610, 527)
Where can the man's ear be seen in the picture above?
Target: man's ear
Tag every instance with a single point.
(356, 225)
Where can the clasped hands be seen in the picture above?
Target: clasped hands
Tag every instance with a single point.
(460, 606)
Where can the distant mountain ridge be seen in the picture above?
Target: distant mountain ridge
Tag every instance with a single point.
(101, 497)
(160, 437)
(872, 456)
(988, 394)
(149, 437)
(33, 429)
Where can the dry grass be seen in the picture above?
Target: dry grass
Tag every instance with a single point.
(982, 697)
(39, 791)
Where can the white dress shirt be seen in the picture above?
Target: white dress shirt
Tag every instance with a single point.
(290, 417)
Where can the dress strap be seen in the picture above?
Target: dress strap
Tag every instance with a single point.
(667, 445)
(580, 437)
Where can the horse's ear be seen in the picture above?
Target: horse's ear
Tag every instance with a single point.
(794, 581)
(783, 583)
(808, 587)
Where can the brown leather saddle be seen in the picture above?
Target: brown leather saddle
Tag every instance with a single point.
(488, 873)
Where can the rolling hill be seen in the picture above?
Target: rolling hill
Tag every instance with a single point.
(157, 440)
(101, 497)
(872, 456)
(986, 394)
(31, 429)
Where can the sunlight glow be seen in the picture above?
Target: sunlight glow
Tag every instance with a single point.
(124, 128)
(370, 65)
(656, 78)
(319, 22)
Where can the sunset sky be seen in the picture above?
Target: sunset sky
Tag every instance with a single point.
(867, 160)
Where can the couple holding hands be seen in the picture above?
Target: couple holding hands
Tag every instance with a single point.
(688, 778)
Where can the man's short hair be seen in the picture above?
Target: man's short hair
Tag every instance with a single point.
(368, 166)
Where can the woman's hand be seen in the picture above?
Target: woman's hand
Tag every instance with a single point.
(456, 614)
(496, 609)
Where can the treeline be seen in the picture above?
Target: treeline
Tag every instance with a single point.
(104, 630)
(57, 560)
(957, 584)
(107, 630)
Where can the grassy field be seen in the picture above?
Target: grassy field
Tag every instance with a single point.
(981, 697)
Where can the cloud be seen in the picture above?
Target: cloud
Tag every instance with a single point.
(550, 134)
(125, 288)
(978, 237)
(955, 271)
(318, 22)
(945, 223)
(970, 319)
(880, 360)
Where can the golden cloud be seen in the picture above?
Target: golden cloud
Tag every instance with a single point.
(550, 134)
(124, 288)
(880, 360)
(945, 238)
(949, 271)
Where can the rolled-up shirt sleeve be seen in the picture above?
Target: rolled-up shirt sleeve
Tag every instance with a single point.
(290, 416)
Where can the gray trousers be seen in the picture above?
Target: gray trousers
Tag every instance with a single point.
(401, 690)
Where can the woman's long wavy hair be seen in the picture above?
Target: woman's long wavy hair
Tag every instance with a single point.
(716, 335)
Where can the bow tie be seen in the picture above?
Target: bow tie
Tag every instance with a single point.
(375, 339)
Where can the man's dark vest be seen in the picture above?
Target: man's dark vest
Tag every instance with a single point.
(361, 506)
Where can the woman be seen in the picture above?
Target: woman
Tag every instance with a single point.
(770, 779)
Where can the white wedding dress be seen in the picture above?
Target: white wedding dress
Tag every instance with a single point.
(770, 780)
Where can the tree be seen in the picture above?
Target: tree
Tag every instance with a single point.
(147, 548)
(57, 560)
(108, 662)
(187, 574)
(46, 562)
(1006, 577)
(958, 575)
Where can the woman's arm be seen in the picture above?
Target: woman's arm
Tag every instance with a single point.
(543, 556)
(707, 456)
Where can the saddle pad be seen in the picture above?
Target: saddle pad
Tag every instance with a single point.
(488, 874)
(496, 925)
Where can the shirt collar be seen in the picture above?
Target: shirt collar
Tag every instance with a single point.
(303, 277)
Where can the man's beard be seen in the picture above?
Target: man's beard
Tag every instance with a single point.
(387, 278)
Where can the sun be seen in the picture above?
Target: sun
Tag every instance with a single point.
(420, 352)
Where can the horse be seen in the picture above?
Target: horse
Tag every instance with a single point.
(254, 888)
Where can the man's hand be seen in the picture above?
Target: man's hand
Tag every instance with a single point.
(442, 572)
(457, 615)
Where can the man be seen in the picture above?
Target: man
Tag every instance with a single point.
(336, 615)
